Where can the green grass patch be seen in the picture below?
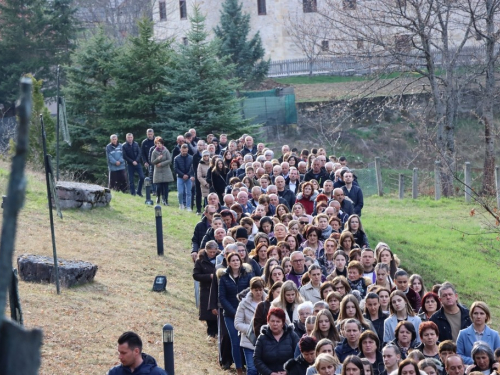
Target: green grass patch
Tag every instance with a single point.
(428, 237)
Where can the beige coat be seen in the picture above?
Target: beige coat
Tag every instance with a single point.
(202, 177)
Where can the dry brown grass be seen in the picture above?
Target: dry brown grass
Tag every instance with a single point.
(81, 325)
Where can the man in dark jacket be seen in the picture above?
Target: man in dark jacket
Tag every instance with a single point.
(132, 155)
(451, 317)
(201, 229)
(183, 164)
(349, 345)
(317, 173)
(132, 359)
(345, 204)
(299, 365)
(353, 192)
(284, 193)
(249, 147)
(146, 145)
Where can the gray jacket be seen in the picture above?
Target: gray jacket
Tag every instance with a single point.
(114, 154)
(162, 161)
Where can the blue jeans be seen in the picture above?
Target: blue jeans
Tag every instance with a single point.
(235, 341)
(251, 370)
(131, 173)
(184, 190)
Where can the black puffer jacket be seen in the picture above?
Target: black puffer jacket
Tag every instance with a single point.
(131, 152)
(297, 366)
(199, 232)
(271, 355)
(202, 272)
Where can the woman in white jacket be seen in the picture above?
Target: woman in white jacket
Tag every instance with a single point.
(243, 320)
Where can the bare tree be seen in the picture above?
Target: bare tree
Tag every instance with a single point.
(428, 37)
(483, 14)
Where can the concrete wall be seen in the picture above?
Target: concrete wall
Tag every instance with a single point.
(272, 27)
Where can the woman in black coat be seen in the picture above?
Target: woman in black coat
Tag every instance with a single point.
(203, 272)
(217, 178)
(276, 344)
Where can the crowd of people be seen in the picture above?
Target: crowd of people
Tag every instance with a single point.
(287, 280)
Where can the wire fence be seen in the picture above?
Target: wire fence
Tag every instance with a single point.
(425, 184)
(370, 64)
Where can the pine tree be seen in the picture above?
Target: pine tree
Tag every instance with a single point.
(35, 36)
(88, 81)
(246, 55)
(200, 94)
(138, 77)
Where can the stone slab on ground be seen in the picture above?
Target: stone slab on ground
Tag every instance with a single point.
(37, 268)
(81, 195)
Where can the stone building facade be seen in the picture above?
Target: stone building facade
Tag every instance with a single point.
(272, 18)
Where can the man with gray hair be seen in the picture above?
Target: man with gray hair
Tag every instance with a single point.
(298, 268)
(116, 165)
(451, 317)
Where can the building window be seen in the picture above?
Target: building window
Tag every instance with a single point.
(185, 41)
(261, 7)
(402, 42)
(349, 4)
(325, 45)
(183, 9)
(163, 11)
(359, 43)
(309, 6)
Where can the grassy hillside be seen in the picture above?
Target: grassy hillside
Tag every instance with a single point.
(82, 324)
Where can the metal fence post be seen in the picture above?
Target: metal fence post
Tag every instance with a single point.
(468, 181)
(414, 184)
(401, 186)
(159, 230)
(380, 188)
(497, 184)
(437, 180)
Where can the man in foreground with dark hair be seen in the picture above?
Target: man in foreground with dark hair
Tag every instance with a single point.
(133, 359)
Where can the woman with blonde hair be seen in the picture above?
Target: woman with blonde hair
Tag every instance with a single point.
(289, 300)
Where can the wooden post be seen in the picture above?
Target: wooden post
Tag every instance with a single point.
(468, 181)
(497, 183)
(401, 186)
(414, 184)
(378, 172)
(437, 180)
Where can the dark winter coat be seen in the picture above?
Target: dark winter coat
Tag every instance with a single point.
(260, 317)
(183, 166)
(288, 196)
(148, 366)
(229, 288)
(252, 151)
(217, 181)
(343, 349)
(202, 272)
(271, 355)
(361, 239)
(356, 196)
(321, 177)
(378, 324)
(131, 152)
(444, 327)
(199, 232)
(378, 366)
(297, 366)
(145, 147)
